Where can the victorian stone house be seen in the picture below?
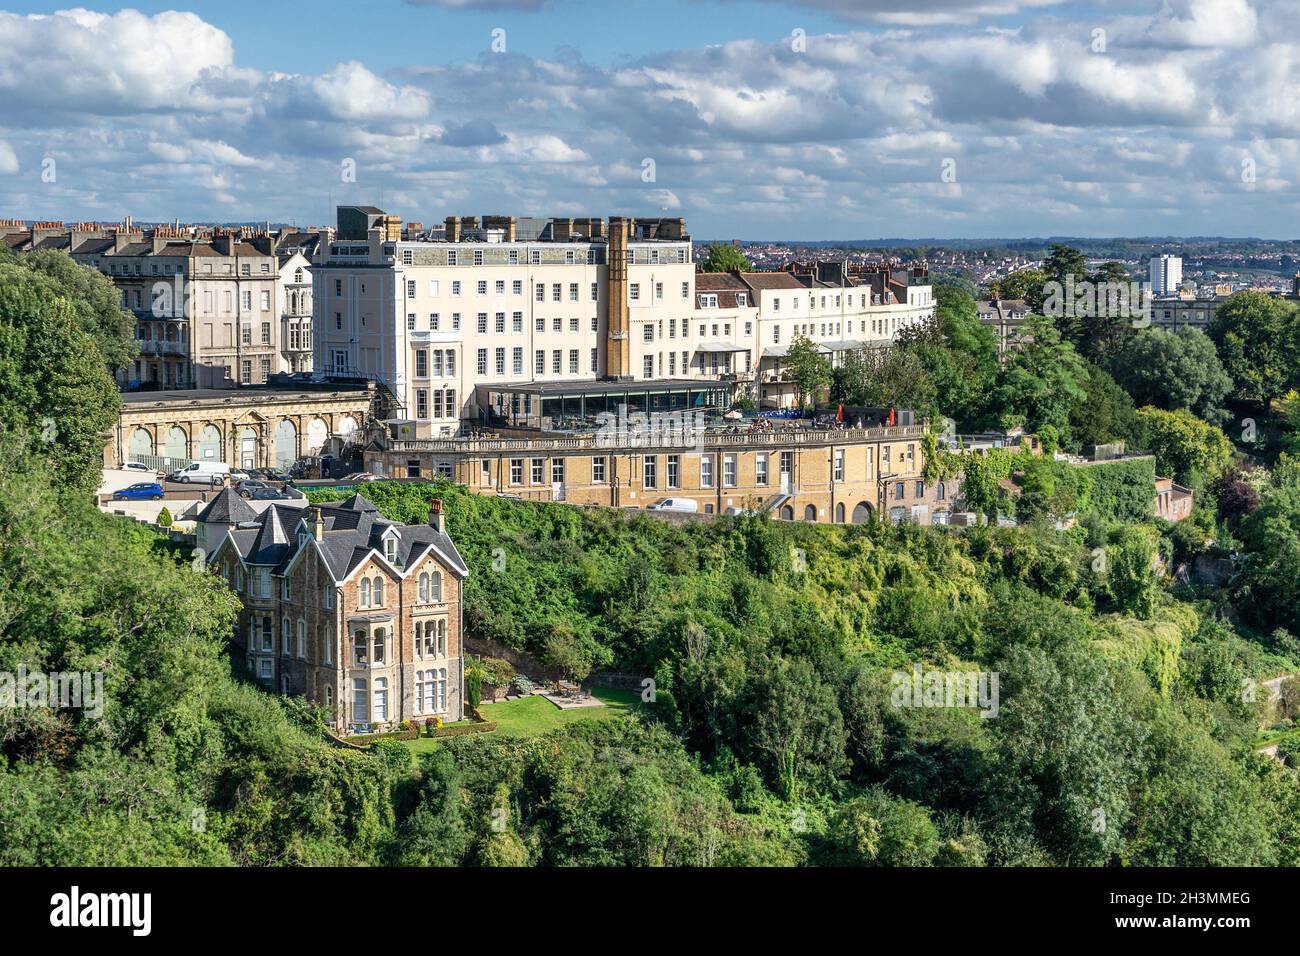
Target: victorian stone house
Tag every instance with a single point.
(357, 613)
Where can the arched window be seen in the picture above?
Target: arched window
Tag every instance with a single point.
(839, 513)
(379, 591)
(419, 691)
(329, 644)
(419, 640)
(302, 639)
(810, 513)
(442, 637)
(380, 636)
(442, 688)
(435, 586)
(297, 276)
(329, 696)
(364, 599)
(360, 701)
(943, 492)
(424, 589)
(381, 699)
(359, 655)
(286, 637)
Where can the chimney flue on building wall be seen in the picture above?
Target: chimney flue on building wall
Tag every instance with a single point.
(617, 345)
(453, 229)
(435, 516)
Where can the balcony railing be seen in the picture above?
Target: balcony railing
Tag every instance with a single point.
(163, 347)
(666, 438)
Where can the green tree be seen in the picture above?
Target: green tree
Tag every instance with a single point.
(54, 387)
(1041, 381)
(724, 257)
(95, 303)
(1185, 447)
(808, 369)
(1105, 414)
(1172, 371)
(1256, 334)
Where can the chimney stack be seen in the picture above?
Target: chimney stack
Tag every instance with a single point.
(435, 515)
(317, 524)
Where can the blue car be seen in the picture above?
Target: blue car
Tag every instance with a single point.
(144, 491)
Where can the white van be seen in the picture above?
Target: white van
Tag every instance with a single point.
(684, 505)
(202, 472)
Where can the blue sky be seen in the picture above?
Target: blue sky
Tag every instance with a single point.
(960, 118)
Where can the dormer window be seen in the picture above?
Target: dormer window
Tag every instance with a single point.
(390, 549)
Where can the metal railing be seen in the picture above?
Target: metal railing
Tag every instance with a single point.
(667, 438)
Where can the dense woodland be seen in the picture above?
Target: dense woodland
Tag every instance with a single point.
(1128, 720)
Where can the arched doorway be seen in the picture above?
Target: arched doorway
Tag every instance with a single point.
(176, 446)
(317, 434)
(787, 513)
(210, 444)
(810, 513)
(141, 443)
(839, 513)
(286, 444)
(861, 513)
(247, 449)
(347, 425)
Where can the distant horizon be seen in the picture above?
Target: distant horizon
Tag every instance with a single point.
(887, 241)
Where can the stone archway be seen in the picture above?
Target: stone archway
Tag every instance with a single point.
(839, 513)
(285, 447)
(141, 444)
(317, 434)
(209, 448)
(176, 444)
(786, 513)
(862, 512)
(810, 513)
(246, 447)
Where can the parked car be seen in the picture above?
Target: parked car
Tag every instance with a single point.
(266, 494)
(363, 476)
(203, 472)
(683, 505)
(269, 474)
(143, 491)
(137, 466)
(250, 486)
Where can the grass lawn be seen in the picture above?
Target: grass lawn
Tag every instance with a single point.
(535, 715)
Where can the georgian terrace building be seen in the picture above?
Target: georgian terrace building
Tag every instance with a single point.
(507, 302)
(214, 308)
(830, 476)
(355, 613)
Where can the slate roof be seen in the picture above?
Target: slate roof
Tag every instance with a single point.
(227, 508)
(352, 530)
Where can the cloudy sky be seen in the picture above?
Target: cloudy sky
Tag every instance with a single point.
(803, 119)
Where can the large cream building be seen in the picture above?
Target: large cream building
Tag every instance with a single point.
(535, 304)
